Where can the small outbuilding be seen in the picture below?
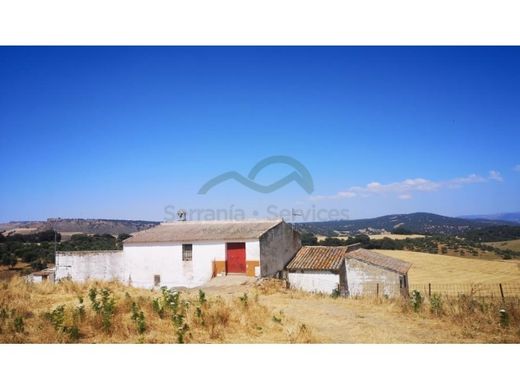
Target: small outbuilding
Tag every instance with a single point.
(318, 269)
(43, 275)
(349, 270)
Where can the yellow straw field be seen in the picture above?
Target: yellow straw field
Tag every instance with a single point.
(440, 269)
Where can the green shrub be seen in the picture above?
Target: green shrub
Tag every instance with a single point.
(202, 297)
(104, 307)
(107, 308)
(92, 295)
(158, 307)
(138, 318)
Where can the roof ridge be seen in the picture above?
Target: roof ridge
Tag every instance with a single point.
(215, 221)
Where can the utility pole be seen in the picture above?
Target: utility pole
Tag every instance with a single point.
(55, 242)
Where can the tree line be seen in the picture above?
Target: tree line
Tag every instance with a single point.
(37, 249)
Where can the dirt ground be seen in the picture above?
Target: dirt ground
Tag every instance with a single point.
(344, 320)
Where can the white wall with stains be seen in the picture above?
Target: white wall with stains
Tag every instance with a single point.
(314, 281)
(362, 279)
(82, 265)
(139, 264)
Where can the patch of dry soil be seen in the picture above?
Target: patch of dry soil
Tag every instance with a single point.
(358, 321)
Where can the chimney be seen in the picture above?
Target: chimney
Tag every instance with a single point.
(181, 215)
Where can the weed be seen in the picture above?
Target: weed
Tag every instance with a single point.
(202, 297)
(244, 299)
(335, 293)
(138, 318)
(181, 333)
(80, 309)
(181, 327)
(57, 317)
(107, 308)
(92, 294)
(19, 325)
(171, 298)
(74, 333)
(158, 307)
(416, 300)
(436, 304)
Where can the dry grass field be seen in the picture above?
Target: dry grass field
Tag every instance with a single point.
(7, 272)
(440, 269)
(512, 244)
(395, 236)
(245, 312)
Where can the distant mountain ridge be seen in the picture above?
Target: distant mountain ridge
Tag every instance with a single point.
(427, 223)
(80, 225)
(509, 217)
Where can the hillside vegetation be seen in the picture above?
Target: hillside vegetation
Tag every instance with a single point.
(37, 249)
(471, 243)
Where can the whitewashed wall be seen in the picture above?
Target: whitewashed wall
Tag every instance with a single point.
(139, 263)
(82, 265)
(314, 281)
(35, 278)
(144, 261)
(252, 250)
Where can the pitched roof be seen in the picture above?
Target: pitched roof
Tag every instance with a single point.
(192, 231)
(330, 258)
(380, 260)
(324, 258)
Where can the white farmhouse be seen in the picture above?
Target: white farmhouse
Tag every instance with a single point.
(350, 270)
(188, 254)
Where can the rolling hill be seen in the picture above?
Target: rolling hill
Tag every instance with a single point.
(423, 223)
(79, 225)
(510, 217)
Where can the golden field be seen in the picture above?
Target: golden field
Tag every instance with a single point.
(441, 269)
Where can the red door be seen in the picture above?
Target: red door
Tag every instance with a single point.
(236, 257)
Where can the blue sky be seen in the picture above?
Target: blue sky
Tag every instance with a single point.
(124, 132)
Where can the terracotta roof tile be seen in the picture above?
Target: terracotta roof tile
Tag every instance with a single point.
(318, 258)
(325, 258)
(380, 260)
